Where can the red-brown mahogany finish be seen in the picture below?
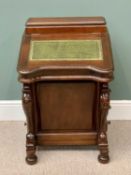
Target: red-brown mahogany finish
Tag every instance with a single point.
(66, 102)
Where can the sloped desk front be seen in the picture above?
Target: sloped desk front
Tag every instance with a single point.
(65, 66)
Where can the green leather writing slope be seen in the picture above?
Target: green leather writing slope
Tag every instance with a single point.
(66, 50)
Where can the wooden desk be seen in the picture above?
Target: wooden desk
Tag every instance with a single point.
(65, 65)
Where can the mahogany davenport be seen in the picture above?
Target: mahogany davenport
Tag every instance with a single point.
(65, 65)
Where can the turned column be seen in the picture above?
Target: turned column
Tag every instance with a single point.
(27, 100)
(102, 135)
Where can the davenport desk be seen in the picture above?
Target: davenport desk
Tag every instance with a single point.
(65, 65)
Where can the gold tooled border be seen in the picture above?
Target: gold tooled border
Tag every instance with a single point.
(65, 59)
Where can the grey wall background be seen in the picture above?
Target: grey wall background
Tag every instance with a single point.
(14, 13)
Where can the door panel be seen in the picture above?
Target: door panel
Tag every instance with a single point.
(66, 105)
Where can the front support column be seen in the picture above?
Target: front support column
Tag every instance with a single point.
(27, 101)
(102, 135)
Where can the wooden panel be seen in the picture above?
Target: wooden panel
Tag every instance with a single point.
(67, 138)
(66, 105)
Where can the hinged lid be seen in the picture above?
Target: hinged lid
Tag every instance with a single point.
(76, 48)
(65, 21)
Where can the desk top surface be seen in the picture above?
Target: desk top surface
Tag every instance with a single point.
(65, 44)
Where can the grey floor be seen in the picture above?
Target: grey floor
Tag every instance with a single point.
(65, 160)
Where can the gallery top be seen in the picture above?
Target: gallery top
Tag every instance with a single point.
(71, 48)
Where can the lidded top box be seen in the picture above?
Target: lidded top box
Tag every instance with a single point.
(71, 48)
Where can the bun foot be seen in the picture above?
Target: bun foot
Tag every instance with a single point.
(103, 159)
(31, 160)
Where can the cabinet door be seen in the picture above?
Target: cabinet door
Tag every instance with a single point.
(66, 106)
